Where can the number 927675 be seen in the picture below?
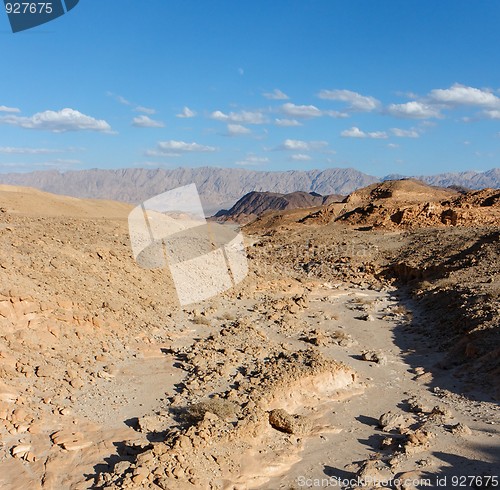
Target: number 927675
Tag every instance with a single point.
(28, 8)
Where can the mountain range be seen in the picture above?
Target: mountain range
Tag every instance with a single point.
(220, 187)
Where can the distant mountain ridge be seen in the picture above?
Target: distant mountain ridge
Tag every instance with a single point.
(220, 187)
(256, 203)
(469, 179)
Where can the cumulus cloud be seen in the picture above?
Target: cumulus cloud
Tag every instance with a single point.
(462, 95)
(492, 114)
(413, 110)
(300, 157)
(237, 130)
(287, 122)
(355, 132)
(58, 121)
(337, 114)
(405, 133)
(245, 117)
(456, 96)
(356, 101)
(276, 94)
(309, 111)
(4, 108)
(173, 148)
(146, 122)
(186, 113)
(304, 111)
(300, 145)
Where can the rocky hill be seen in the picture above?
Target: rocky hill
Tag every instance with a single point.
(398, 204)
(255, 204)
(410, 204)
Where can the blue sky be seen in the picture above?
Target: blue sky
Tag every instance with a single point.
(383, 86)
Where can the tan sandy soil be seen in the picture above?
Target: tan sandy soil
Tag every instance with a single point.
(344, 354)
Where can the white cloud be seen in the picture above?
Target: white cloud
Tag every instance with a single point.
(461, 95)
(405, 133)
(173, 148)
(252, 161)
(58, 162)
(287, 122)
(301, 110)
(186, 113)
(355, 132)
(356, 101)
(146, 122)
(413, 110)
(337, 114)
(4, 108)
(380, 135)
(27, 151)
(491, 114)
(145, 110)
(246, 117)
(299, 145)
(119, 98)
(237, 130)
(295, 145)
(58, 121)
(276, 94)
(300, 157)
(393, 145)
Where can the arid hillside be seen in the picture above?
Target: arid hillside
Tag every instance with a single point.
(255, 204)
(357, 348)
(397, 205)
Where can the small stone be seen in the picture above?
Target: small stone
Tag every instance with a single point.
(291, 424)
(374, 356)
(390, 420)
(20, 450)
(461, 430)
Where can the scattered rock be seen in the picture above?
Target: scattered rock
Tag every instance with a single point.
(461, 429)
(291, 424)
(71, 441)
(374, 356)
(390, 421)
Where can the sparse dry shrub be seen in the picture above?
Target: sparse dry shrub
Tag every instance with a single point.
(425, 285)
(231, 317)
(224, 409)
(400, 310)
(364, 300)
(445, 283)
(201, 320)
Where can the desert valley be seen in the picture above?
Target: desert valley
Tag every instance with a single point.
(361, 350)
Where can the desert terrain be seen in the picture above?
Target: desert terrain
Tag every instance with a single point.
(361, 351)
